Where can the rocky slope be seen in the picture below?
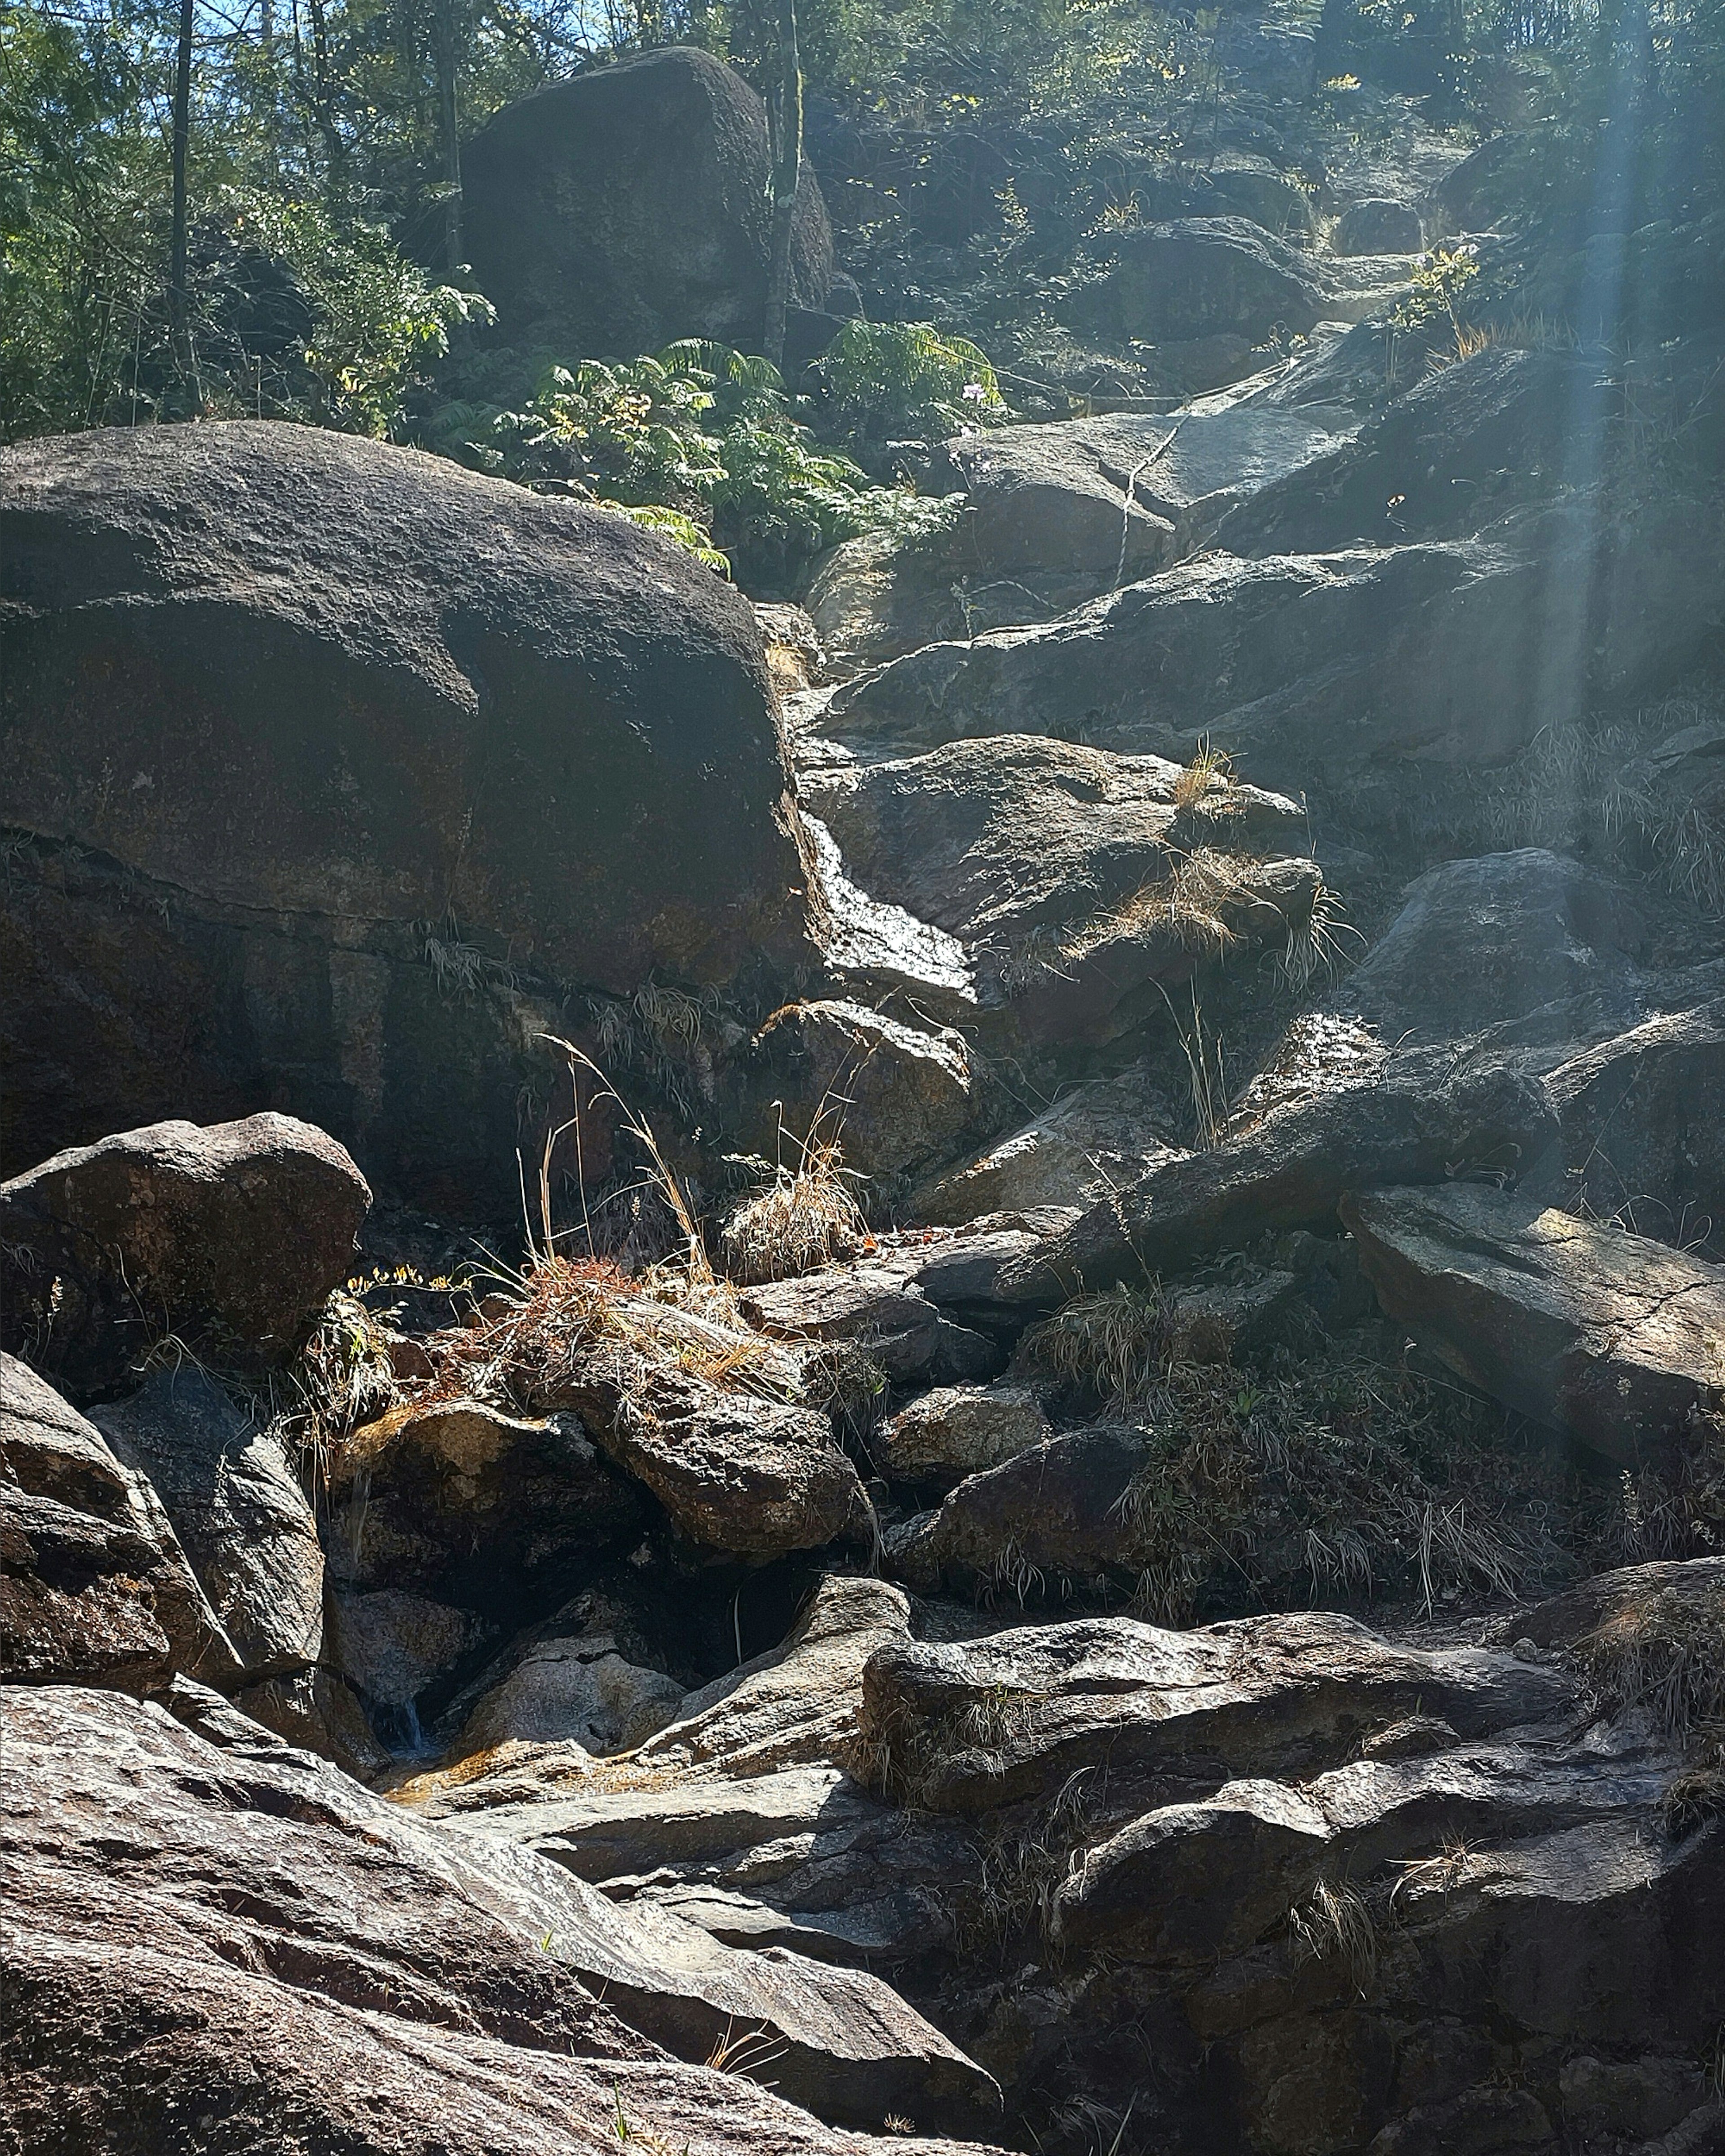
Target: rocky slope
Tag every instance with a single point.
(1120, 1552)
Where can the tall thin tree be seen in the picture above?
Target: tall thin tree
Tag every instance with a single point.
(179, 295)
(446, 34)
(785, 129)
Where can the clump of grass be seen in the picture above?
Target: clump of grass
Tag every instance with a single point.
(1315, 945)
(1664, 1651)
(1207, 787)
(1022, 1869)
(807, 1217)
(340, 1379)
(1114, 1344)
(1335, 1923)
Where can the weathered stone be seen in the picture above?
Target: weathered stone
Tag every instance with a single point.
(315, 1711)
(1092, 1140)
(876, 1308)
(1330, 670)
(958, 1431)
(749, 1476)
(1494, 941)
(230, 1237)
(391, 1645)
(1198, 276)
(1417, 1117)
(976, 1726)
(795, 1706)
(628, 206)
(323, 1921)
(491, 1513)
(567, 1691)
(1055, 1513)
(1643, 1124)
(340, 690)
(893, 1094)
(95, 1587)
(1378, 225)
(1616, 1340)
(240, 1516)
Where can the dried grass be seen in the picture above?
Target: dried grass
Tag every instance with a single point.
(807, 1217)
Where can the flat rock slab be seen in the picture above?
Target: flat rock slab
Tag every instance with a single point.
(251, 1864)
(1614, 1339)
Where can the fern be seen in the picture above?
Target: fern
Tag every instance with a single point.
(887, 378)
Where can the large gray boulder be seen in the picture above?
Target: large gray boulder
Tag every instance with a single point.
(325, 753)
(230, 1238)
(95, 1587)
(1202, 276)
(284, 1943)
(241, 1517)
(608, 214)
(1619, 1341)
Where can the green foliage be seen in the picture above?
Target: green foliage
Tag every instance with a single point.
(887, 379)
(698, 441)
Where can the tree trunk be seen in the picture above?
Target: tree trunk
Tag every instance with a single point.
(785, 111)
(179, 298)
(448, 125)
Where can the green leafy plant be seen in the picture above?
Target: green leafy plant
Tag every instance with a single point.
(884, 379)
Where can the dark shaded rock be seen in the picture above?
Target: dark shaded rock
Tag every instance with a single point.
(1092, 1141)
(493, 1513)
(240, 1516)
(1198, 276)
(1055, 1512)
(1614, 1339)
(341, 691)
(1643, 1121)
(94, 1588)
(391, 1644)
(1376, 224)
(1446, 456)
(749, 1476)
(1494, 941)
(326, 1923)
(978, 1726)
(1331, 670)
(314, 1711)
(566, 1687)
(230, 1237)
(1419, 1117)
(894, 1094)
(873, 1307)
(610, 214)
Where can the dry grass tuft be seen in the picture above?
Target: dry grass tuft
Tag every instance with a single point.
(1663, 1651)
(1334, 1923)
(1114, 1343)
(807, 1217)
(1207, 787)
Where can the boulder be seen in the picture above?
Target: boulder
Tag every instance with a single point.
(975, 1726)
(1055, 1515)
(874, 1307)
(893, 1095)
(230, 1237)
(1643, 1123)
(240, 1515)
(315, 1710)
(277, 1918)
(955, 1431)
(1495, 943)
(1201, 276)
(795, 1706)
(95, 1587)
(391, 1644)
(1417, 1117)
(492, 1514)
(1618, 1341)
(795, 1857)
(1330, 670)
(1459, 447)
(1096, 1138)
(330, 758)
(609, 213)
(566, 1689)
(751, 1477)
(1378, 225)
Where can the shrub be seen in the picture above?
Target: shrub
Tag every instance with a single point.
(884, 379)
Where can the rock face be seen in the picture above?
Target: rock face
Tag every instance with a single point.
(1098, 1136)
(317, 749)
(607, 215)
(359, 1949)
(240, 1516)
(1376, 224)
(894, 1094)
(95, 1587)
(229, 1237)
(1616, 1339)
(1203, 276)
